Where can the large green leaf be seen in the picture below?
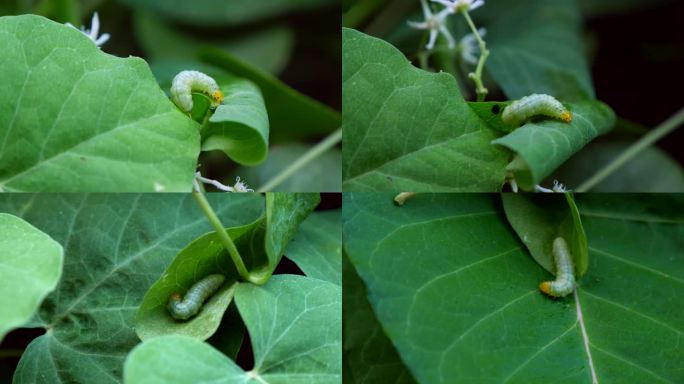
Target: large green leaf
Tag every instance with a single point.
(407, 129)
(543, 146)
(294, 323)
(457, 295)
(292, 115)
(368, 353)
(322, 175)
(30, 267)
(268, 50)
(115, 246)
(224, 12)
(537, 48)
(77, 119)
(317, 246)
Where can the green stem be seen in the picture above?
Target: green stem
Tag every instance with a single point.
(647, 140)
(317, 150)
(222, 234)
(484, 54)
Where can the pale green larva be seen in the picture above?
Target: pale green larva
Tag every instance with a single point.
(565, 271)
(188, 81)
(520, 111)
(195, 297)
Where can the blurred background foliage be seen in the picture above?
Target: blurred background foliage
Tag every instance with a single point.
(289, 48)
(635, 49)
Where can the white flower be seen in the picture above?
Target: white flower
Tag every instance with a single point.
(94, 30)
(456, 5)
(470, 50)
(557, 187)
(238, 187)
(435, 24)
(241, 186)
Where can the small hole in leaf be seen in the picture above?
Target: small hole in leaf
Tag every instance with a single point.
(496, 109)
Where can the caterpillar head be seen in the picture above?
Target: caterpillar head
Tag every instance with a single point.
(545, 287)
(217, 96)
(175, 297)
(566, 116)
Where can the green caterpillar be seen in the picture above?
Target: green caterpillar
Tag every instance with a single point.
(565, 271)
(195, 297)
(524, 109)
(188, 81)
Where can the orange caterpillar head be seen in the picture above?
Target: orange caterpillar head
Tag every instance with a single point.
(566, 116)
(217, 96)
(175, 297)
(545, 287)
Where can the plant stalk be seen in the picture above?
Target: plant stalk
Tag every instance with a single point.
(317, 150)
(646, 141)
(480, 89)
(222, 234)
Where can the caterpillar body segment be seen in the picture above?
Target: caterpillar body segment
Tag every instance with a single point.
(191, 304)
(520, 111)
(565, 271)
(188, 81)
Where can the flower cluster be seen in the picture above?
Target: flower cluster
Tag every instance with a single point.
(240, 186)
(436, 24)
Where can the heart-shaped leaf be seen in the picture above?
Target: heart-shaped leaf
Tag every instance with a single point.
(115, 246)
(457, 294)
(30, 267)
(410, 130)
(77, 119)
(294, 324)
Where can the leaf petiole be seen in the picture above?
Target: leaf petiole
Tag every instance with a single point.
(317, 150)
(484, 53)
(222, 234)
(646, 141)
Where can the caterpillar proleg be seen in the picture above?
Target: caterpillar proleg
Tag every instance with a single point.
(565, 271)
(188, 81)
(195, 297)
(524, 109)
